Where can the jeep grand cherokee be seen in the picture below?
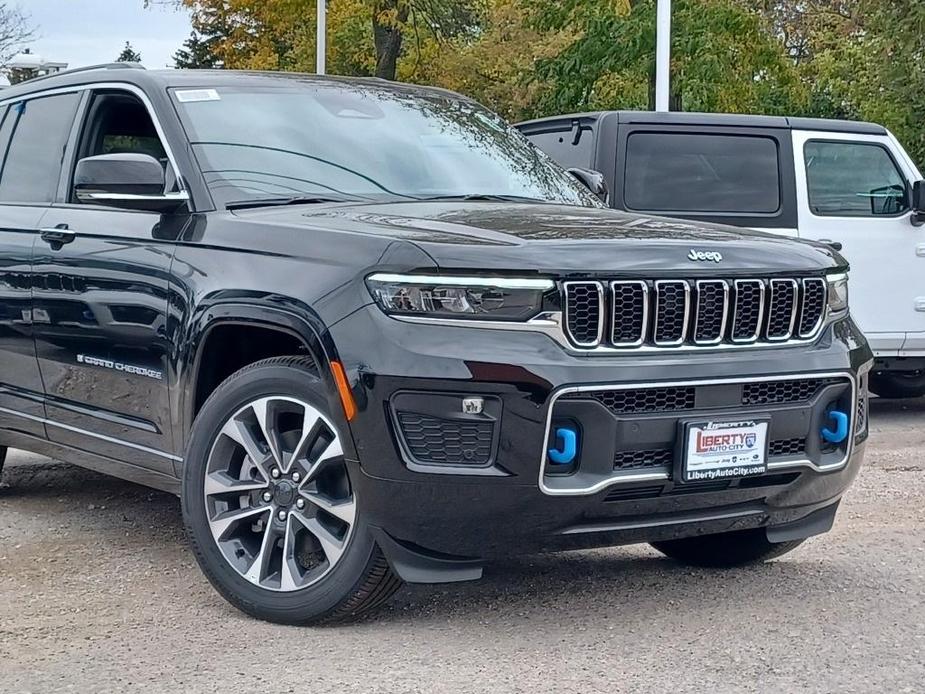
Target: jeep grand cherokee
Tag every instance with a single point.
(370, 334)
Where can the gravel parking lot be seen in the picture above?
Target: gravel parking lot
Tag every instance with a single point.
(98, 593)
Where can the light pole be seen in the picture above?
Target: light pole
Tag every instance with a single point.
(663, 55)
(322, 36)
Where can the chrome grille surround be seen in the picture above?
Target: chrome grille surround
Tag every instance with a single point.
(692, 314)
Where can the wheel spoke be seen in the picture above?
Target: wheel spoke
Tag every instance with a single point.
(332, 452)
(237, 431)
(224, 521)
(330, 545)
(258, 568)
(344, 510)
(290, 577)
(221, 483)
(310, 431)
(263, 410)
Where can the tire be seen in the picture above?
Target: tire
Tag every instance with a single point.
(320, 564)
(727, 550)
(898, 384)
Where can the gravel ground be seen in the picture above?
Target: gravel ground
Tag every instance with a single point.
(98, 593)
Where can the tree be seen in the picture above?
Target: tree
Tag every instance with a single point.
(15, 31)
(128, 55)
(197, 52)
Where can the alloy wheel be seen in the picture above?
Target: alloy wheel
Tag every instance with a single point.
(277, 494)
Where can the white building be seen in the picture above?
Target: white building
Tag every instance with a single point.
(28, 65)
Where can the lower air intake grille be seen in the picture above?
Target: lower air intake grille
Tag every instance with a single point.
(435, 441)
(777, 392)
(786, 447)
(641, 400)
(640, 460)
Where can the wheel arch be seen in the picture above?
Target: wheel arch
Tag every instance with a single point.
(308, 332)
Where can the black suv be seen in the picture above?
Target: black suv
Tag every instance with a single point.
(370, 334)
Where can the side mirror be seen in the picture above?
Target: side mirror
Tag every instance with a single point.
(918, 203)
(128, 181)
(593, 181)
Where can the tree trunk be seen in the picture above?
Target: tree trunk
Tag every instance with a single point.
(388, 36)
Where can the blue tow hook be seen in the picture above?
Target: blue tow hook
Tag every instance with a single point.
(567, 440)
(841, 427)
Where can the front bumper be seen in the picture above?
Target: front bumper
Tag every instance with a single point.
(509, 504)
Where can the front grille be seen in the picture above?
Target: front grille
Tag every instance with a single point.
(779, 392)
(435, 441)
(628, 314)
(642, 400)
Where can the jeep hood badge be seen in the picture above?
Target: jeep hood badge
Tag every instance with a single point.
(715, 256)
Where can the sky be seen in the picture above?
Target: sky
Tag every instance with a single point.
(86, 32)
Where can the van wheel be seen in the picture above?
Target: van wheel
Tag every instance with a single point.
(726, 550)
(271, 514)
(898, 384)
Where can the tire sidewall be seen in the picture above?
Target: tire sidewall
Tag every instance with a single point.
(311, 602)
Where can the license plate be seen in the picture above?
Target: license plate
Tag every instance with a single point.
(724, 450)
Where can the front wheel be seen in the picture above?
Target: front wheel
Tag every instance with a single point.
(271, 514)
(726, 550)
(898, 384)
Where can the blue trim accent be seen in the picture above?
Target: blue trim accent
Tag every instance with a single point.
(567, 439)
(841, 427)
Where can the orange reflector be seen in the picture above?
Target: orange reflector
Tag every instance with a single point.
(343, 389)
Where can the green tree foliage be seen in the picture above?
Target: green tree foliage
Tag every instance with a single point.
(128, 55)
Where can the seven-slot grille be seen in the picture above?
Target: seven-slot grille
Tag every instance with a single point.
(702, 313)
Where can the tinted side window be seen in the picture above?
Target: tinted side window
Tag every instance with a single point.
(681, 172)
(33, 160)
(558, 145)
(853, 179)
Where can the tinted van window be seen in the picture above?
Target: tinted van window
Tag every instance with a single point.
(682, 172)
(33, 160)
(853, 179)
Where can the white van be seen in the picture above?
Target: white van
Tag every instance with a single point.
(848, 184)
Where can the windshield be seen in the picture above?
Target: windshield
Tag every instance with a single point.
(359, 141)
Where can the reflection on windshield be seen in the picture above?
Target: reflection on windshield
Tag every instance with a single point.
(355, 140)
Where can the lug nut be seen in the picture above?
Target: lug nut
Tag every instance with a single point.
(296, 477)
(274, 473)
(267, 497)
(300, 504)
(282, 515)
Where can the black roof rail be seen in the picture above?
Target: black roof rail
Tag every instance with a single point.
(87, 68)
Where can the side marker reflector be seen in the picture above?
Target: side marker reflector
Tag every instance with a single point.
(343, 389)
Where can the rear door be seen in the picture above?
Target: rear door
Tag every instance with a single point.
(853, 189)
(101, 301)
(33, 135)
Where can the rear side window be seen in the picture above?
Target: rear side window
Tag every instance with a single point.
(853, 179)
(685, 172)
(561, 146)
(33, 160)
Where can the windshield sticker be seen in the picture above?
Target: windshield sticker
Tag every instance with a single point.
(189, 95)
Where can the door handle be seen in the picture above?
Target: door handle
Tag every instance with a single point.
(834, 245)
(58, 235)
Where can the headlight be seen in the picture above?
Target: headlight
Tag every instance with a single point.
(472, 298)
(838, 293)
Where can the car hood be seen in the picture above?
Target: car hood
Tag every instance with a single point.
(562, 238)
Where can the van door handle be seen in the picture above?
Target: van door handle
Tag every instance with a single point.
(834, 245)
(58, 235)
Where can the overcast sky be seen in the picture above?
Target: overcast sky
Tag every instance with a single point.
(85, 32)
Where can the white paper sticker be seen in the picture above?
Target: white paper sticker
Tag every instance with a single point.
(188, 95)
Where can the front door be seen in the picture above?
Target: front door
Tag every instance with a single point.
(851, 189)
(100, 307)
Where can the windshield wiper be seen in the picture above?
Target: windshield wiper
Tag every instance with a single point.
(481, 196)
(292, 200)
